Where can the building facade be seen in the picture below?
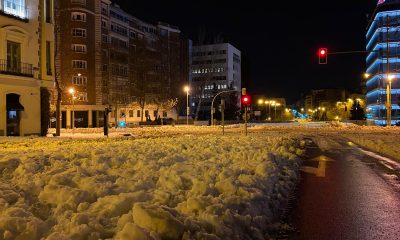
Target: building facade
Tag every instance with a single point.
(112, 58)
(215, 68)
(26, 63)
(383, 31)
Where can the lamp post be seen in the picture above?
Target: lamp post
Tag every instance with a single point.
(72, 92)
(187, 90)
(269, 103)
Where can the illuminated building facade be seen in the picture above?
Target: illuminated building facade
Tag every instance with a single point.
(26, 64)
(384, 30)
(215, 68)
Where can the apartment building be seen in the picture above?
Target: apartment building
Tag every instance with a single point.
(26, 64)
(110, 57)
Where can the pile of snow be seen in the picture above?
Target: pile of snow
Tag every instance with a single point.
(186, 187)
(386, 143)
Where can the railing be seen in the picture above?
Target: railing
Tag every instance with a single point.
(18, 69)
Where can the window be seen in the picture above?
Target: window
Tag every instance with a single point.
(104, 23)
(82, 96)
(119, 70)
(146, 113)
(48, 58)
(138, 113)
(79, 64)
(48, 12)
(131, 113)
(79, 48)
(13, 57)
(104, 38)
(132, 35)
(15, 7)
(79, 80)
(119, 29)
(83, 2)
(165, 114)
(79, 32)
(104, 8)
(78, 16)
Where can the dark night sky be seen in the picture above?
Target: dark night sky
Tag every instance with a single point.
(279, 38)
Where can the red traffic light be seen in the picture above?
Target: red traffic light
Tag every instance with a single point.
(323, 56)
(246, 99)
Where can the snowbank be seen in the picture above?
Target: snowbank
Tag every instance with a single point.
(387, 143)
(186, 187)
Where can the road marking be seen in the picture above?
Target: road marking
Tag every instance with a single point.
(321, 170)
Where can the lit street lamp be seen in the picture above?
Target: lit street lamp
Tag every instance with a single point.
(187, 90)
(270, 103)
(72, 92)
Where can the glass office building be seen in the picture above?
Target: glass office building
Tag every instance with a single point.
(383, 31)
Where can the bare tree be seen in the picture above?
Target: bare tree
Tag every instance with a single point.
(57, 70)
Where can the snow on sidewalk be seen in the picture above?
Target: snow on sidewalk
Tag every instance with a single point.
(186, 187)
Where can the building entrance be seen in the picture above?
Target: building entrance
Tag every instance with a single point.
(14, 109)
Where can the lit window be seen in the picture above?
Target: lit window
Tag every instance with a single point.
(15, 7)
(82, 96)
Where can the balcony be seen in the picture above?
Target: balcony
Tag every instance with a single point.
(17, 69)
(14, 9)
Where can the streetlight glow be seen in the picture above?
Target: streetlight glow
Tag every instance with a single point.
(187, 90)
(391, 77)
(71, 90)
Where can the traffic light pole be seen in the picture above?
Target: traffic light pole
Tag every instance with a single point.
(212, 104)
(245, 119)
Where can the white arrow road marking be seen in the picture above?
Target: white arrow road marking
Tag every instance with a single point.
(321, 170)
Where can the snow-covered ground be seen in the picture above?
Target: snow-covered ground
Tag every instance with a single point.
(386, 143)
(150, 186)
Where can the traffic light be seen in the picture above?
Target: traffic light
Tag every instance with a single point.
(246, 100)
(323, 56)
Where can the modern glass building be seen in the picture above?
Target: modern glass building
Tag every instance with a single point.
(383, 31)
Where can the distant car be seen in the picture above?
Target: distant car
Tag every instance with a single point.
(167, 121)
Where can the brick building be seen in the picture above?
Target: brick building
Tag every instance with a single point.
(113, 58)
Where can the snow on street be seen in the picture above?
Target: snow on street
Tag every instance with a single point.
(185, 187)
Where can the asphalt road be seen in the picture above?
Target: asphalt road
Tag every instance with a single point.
(344, 194)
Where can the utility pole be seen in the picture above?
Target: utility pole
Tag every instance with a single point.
(388, 79)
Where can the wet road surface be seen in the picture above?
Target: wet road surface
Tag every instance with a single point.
(344, 195)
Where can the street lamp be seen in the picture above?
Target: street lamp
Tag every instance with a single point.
(269, 103)
(72, 92)
(187, 90)
(367, 75)
(276, 105)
